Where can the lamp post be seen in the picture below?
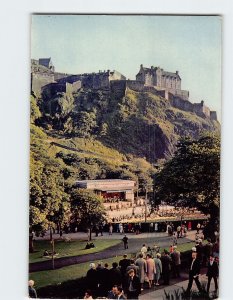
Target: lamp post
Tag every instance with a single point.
(146, 207)
(52, 242)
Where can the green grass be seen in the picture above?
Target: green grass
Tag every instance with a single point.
(65, 249)
(45, 278)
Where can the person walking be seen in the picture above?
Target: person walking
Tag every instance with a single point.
(121, 228)
(178, 230)
(125, 241)
(175, 256)
(158, 268)
(92, 281)
(110, 229)
(141, 263)
(200, 250)
(208, 251)
(124, 263)
(133, 288)
(150, 269)
(166, 265)
(174, 238)
(212, 272)
(106, 286)
(115, 275)
(133, 266)
(194, 272)
(31, 290)
(144, 250)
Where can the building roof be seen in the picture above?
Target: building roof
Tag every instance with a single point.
(45, 61)
(165, 73)
(107, 184)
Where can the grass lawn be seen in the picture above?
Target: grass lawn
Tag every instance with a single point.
(72, 248)
(44, 278)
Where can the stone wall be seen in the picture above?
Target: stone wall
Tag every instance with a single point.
(180, 103)
(115, 75)
(51, 89)
(118, 87)
(39, 80)
(135, 85)
(201, 109)
(58, 76)
(213, 115)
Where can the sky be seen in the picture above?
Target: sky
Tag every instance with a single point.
(89, 43)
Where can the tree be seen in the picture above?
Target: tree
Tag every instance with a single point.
(87, 209)
(49, 205)
(192, 177)
(34, 110)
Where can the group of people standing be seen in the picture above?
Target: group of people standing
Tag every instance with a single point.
(115, 282)
(132, 275)
(195, 268)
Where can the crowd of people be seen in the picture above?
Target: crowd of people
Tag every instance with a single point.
(137, 214)
(149, 268)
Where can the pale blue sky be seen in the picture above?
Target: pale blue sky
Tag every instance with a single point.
(190, 44)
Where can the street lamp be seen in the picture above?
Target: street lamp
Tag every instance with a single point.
(146, 207)
(52, 242)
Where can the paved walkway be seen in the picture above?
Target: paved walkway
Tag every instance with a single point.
(135, 244)
(158, 292)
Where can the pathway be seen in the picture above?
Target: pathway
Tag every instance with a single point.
(135, 244)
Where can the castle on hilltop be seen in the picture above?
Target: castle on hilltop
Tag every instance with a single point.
(160, 79)
(166, 84)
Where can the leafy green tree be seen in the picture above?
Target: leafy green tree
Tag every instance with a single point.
(34, 109)
(87, 209)
(86, 123)
(49, 205)
(192, 177)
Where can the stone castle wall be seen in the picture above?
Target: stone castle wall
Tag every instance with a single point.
(58, 76)
(39, 80)
(135, 85)
(180, 103)
(201, 109)
(51, 83)
(213, 115)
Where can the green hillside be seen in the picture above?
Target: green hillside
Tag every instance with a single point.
(140, 124)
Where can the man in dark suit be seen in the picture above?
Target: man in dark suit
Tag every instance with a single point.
(120, 293)
(212, 272)
(124, 263)
(166, 267)
(115, 275)
(194, 272)
(133, 286)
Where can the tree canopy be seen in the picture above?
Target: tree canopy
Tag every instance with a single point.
(192, 177)
(87, 208)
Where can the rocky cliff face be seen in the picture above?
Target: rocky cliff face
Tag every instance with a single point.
(141, 124)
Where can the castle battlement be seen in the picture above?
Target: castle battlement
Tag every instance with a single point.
(154, 79)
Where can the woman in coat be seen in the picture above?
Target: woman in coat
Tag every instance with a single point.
(141, 263)
(158, 268)
(150, 269)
